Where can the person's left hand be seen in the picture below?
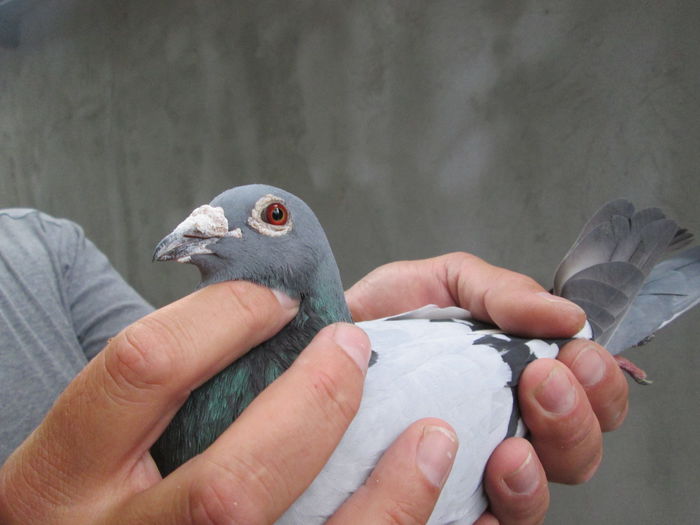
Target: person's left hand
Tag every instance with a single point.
(565, 403)
(88, 461)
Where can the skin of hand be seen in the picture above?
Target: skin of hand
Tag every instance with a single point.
(565, 403)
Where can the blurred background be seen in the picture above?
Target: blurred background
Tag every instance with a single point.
(413, 128)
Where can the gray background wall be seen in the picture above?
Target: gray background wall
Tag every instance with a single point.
(413, 128)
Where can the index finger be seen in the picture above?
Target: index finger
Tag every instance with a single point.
(514, 302)
(120, 403)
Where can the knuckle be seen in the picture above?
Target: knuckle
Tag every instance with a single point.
(232, 494)
(580, 474)
(575, 437)
(615, 408)
(461, 257)
(140, 358)
(505, 284)
(615, 419)
(212, 504)
(587, 474)
(32, 488)
(570, 452)
(512, 281)
(329, 394)
(454, 262)
(403, 513)
(457, 265)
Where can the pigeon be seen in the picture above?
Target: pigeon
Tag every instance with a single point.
(430, 362)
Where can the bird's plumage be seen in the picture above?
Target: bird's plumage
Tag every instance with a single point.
(429, 363)
(428, 367)
(672, 288)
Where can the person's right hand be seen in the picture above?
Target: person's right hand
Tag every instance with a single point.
(565, 403)
(88, 461)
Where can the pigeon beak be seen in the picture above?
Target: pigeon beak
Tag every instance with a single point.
(181, 247)
(205, 226)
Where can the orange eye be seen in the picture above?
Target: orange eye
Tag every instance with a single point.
(276, 214)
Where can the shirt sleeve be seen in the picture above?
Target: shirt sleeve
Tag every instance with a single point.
(100, 302)
(60, 301)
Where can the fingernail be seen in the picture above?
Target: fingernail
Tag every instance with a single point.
(523, 480)
(588, 367)
(556, 394)
(354, 342)
(436, 453)
(285, 301)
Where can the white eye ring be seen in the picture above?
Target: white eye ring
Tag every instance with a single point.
(256, 221)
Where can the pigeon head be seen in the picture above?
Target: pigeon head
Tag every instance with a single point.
(265, 235)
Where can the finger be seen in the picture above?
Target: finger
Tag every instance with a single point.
(516, 484)
(486, 519)
(375, 295)
(117, 406)
(406, 483)
(601, 378)
(273, 451)
(564, 429)
(513, 301)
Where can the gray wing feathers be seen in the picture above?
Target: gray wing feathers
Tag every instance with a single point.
(609, 263)
(672, 288)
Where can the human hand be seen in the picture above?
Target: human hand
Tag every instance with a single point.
(88, 461)
(565, 403)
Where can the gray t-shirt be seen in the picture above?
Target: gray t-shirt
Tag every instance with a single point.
(60, 301)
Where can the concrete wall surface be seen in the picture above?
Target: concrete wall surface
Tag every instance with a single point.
(412, 128)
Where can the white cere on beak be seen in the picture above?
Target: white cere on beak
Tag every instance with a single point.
(256, 221)
(206, 221)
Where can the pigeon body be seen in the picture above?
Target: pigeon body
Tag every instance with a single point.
(434, 362)
(428, 366)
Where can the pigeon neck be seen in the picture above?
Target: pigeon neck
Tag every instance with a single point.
(212, 407)
(322, 303)
(325, 297)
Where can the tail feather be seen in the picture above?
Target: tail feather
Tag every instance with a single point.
(601, 219)
(613, 271)
(682, 239)
(604, 291)
(595, 248)
(654, 241)
(672, 288)
(621, 207)
(629, 231)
